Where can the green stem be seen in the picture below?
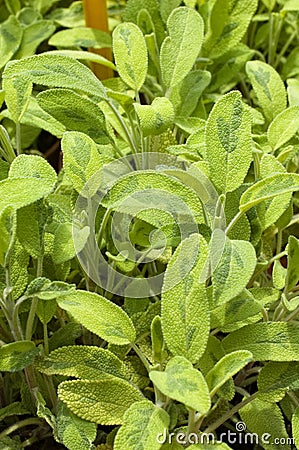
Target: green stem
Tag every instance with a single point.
(46, 339)
(18, 138)
(230, 413)
(21, 424)
(191, 422)
(124, 127)
(285, 48)
(234, 221)
(34, 303)
(7, 147)
(142, 357)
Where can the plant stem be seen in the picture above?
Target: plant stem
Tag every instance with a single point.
(18, 138)
(34, 303)
(21, 424)
(124, 126)
(142, 357)
(234, 221)
(230, 413)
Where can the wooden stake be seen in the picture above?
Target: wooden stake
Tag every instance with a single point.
(96, 16)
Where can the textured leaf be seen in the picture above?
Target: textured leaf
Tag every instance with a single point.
(234, 270)
(82, 361)
(226, 368)
(271, 210)
(13, 409)
(63, 247)
(278, 275)
(33, 35)
(75, 112)
(266, 420)
(295, 426)
(35, 116)
(185, 311)
(73, 432)
(81, 37)
(293, 261)
(236, 313)
(274, 341)
(183, 383)
(69, 17)
(284, 127)
(84, 55)
(103, 402)
(276, 378)
(228, 142)
(17, 355)
(180, 50)
(45, 310)
(10, 38)
(17, 96)
(186, 94)
(32, 166)
(228, 23)
(268, 87)
(155, 118)
(166, 7)
(143, 421)
(92, 310)
(56, 71)
(130, 54)
(30, 225)
(46, 289)
(17, 265)
(268, 188)
(81, 158)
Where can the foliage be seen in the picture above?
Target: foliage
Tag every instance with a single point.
(149, 281)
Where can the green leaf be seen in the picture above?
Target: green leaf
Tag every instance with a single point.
(186, 94)
(17, 355)
(17, 96)
(81, 37)
(183, 383)
(268, 87)
(291, 5)
(228, 22)
(209, 447)
(104, 401)
(10, 39)
(84, 55)
(46, 289)
(284, 127)
(236, 313)
(157, 339)
(279, 275)
(13, 6)
(295, 426)
(180, 49)
(130, 54)
(82, 361)
(155, 118)
(73, 432)
(293, 261)
(13, 409)
(143, 421)
(92, 310)
(63, 246)
(75, 112)
(69, 17)
(269, 187)
(274, 341)
(18, 261)
(234, 270)
(80, 157)
(33, 36)
(45, 310)
(226, 368)
(276, 378)
(167, 6)
(56, 71)
(33, 166)
(266, 420)
(228, 142)
(185, 310)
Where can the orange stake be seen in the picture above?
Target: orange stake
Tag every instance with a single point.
(96, 16)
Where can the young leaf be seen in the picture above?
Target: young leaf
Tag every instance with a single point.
(179, 50)
(279, 275)
(33, 35)
(80, 157)
(45, 310)
(81, 37)
(228, 142)
(274, 341)
(268, 188)
(266, 420)
(92, 310)
(46, 289)
(142, 422)
(268, 87)
(130, 54)
(234, 270)
(55, 71)
(157, 339)
(283, 127)
(226, 368)
(75, 112)
(10, 39)
(228, 22)
(185, 311)
(82, 361)
(155, 118)
(104, 401)
(293, 261)
(73, 432)
(17, 355)
(183, 383)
